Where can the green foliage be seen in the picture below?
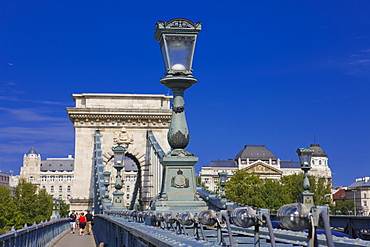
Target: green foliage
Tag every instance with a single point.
(247, 188)
(26, 206)
(9, 216)
(244, 188)
(64, 209)
(343, 206)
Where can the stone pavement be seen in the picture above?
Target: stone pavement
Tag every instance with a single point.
(76, 240)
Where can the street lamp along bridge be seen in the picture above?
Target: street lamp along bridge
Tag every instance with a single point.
(183, 215)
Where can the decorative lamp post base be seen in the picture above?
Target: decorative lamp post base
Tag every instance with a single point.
(307, 198)
(117, 203)
(179, 190)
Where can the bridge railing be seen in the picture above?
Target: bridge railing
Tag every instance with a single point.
(37, 235)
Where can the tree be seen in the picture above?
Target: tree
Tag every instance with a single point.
(25, 199)
(247, 188)
(32, 206)
(45, 208)
(244, 187)
(9, 216)
(342, 206)
(64, 209)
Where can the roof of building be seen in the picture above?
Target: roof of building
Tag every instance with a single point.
(255, 152)
(360, 182)
(222, 163)
(32, 151)
(57, 164)
(317, 151)
(290, 164)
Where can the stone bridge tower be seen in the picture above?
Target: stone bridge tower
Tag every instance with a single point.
(138, 113)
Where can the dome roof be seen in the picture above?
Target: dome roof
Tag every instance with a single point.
(255, 152)
(317, 151)
(32, 151)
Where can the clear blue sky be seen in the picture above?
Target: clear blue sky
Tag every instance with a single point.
(270, 72)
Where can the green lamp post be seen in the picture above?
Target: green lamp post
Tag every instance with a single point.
(223, 179)
(177, 40)
(122, 140)
(305, 155)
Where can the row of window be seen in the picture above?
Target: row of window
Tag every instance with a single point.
(320, 162)
(53, 178)
(61, 197)
(4, 178)
(128, 178)
(60, 188)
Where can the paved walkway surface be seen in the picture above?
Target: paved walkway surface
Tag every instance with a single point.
(76, 240)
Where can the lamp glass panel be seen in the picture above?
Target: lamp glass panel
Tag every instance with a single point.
(180, 52)
(118, 157)
(106, 177)
(164, 55)
(305, 159)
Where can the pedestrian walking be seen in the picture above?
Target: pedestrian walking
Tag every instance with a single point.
(82, 223)
(72, 221)
(89, 222)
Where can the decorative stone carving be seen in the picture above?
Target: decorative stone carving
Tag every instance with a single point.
(179, 180)
(123, 138)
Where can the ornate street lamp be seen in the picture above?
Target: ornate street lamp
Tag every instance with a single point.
(305, 155)
(177, 40)
(56, 209)
(223, 178)
(106, 176)
(122, 140)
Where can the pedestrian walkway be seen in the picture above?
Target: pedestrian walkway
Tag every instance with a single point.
(76, 240)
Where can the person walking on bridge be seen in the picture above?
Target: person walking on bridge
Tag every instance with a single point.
(89, 222)
(72, 221)
(82, 223)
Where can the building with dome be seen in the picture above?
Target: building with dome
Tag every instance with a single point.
(260, 160)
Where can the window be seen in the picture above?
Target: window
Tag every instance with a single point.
(128, 188)
(127, 178)
(128, 196)
(313, 162)
(52, 189)
(68, 197)
(43, 178)
(43, 187)
(31, 179)
(134, 178)
(60, 188)
(60, 178)
(69, 178)
(60, 197)
(319, 162)
(364, 195)
(52, 178)
(206, 180)
(365, 203)
(68, 188)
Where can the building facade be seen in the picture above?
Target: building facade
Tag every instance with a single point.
(359, 192)
(55, 175)
(260, 160)
(109, 113)
(5, 178)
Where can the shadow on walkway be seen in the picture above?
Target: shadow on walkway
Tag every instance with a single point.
(76, 240)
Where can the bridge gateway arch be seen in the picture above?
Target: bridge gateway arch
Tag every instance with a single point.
(108, 113)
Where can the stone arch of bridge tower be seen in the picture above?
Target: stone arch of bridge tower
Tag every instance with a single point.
(139, 160)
